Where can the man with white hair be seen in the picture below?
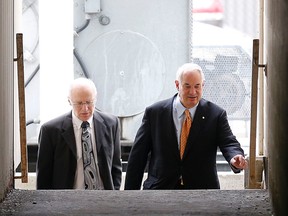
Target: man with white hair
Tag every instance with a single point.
(80, 149)
(179, 138)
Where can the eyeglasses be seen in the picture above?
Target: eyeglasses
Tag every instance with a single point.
(81, 104)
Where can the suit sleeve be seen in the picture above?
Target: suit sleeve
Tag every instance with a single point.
(138, 155)
(44, 161)
(227, 142)
(116, 164)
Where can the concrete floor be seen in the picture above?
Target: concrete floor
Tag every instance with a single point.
(161, 202)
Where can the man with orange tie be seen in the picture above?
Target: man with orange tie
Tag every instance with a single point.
(179, 138)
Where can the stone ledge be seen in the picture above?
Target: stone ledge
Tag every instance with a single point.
(160, 202)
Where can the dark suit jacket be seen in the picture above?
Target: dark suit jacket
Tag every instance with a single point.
(157, 137)
(56, 164)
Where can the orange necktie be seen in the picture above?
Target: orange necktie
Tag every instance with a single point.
(185, 132)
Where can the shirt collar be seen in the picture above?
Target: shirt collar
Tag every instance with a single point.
(180, 108)
(77, 122)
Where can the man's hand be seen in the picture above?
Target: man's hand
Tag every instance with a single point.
(239, 162)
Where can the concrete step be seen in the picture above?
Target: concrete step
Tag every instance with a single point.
(144, 202)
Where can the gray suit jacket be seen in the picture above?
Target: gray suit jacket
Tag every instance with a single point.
(56, 163)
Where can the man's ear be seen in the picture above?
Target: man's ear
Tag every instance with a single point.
(177, 84)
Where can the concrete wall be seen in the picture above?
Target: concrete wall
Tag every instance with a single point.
(277, 130)
(6, 96)
(277, 117)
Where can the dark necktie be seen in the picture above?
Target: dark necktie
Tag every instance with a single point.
(90, 171)
(185, 132)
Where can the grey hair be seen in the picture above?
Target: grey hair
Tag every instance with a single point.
(82, 82)
(189, 67)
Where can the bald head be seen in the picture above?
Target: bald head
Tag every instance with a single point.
(189, 83)
(189, 67)
(82, 83)
(82, 97)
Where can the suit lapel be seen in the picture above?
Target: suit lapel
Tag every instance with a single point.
(199, 119)
(99, 129)
(68, 133)
(168, 124)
